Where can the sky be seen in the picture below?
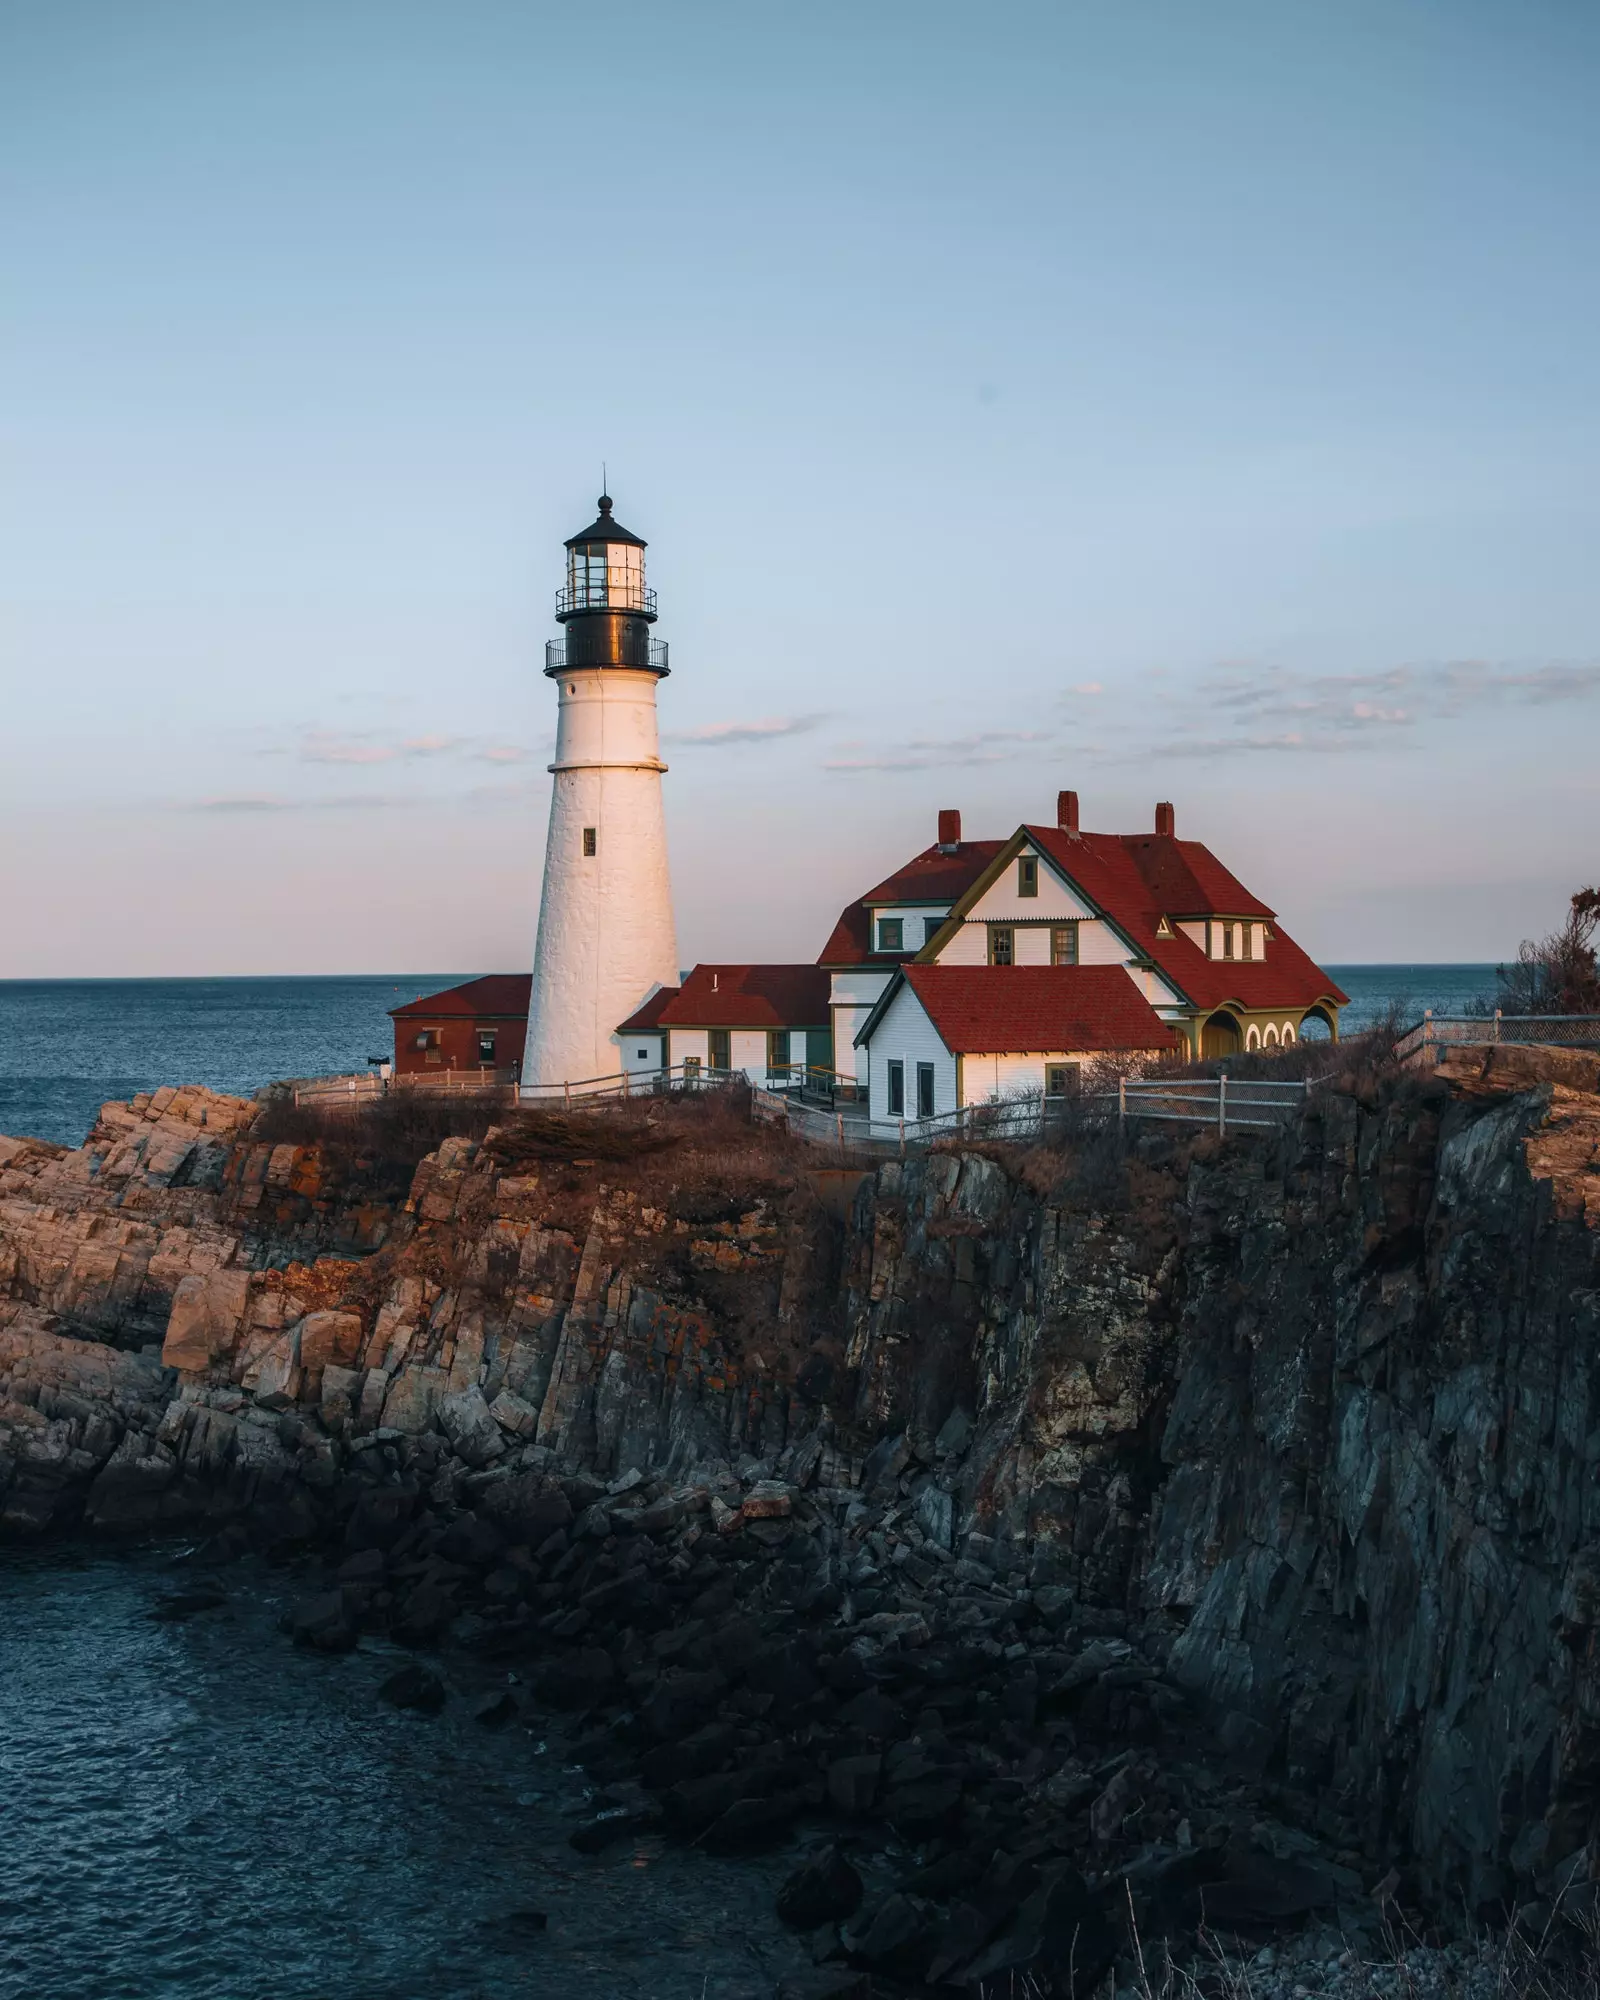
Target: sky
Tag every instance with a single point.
(1168, 402)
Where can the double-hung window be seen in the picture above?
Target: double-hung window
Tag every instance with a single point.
(720, 1048)
(1061, 1079)
(897, 1090)
(1064, 943)
(486, 1046)
(1001, 945)
(924, 1090)
(1028, 875)
(891, 933)
(778, 1051)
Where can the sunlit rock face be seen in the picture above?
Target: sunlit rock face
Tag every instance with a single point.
(1312, 1415)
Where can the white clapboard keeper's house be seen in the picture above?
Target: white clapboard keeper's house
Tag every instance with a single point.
(1211, 969)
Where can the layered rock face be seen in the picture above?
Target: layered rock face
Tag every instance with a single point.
(1325, 1412)
(191, 1322)
(1311, 1417)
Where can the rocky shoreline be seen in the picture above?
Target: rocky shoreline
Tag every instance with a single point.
(1044, 1547)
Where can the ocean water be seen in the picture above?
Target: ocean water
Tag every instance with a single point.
(68, 1045)
(199, 1811)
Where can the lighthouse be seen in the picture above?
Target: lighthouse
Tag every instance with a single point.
(606, 939)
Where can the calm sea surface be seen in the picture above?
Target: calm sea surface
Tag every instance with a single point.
(198, 1811)
(68, 1045)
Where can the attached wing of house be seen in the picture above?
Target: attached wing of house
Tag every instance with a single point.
(771, 1021)
(892, 923)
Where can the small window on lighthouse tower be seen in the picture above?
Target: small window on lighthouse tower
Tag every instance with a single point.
(590, 837)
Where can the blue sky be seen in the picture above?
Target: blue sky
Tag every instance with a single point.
(1168, 401)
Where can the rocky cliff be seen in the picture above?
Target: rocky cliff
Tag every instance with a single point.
(1305, 1425)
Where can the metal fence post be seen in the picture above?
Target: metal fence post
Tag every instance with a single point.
(1222, 1104)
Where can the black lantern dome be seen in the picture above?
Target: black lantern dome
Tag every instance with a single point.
(606, 607)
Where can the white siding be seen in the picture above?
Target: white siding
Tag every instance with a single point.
(748, 1048)
(1055, 898)
(1196, 931)
(969, 946)
(1155, 989)
(984, 1078)
(848, 1022)
(864, 983)
(640, 1051)
(905, 1034)
(1098, 944)
(686, 1044)
(913, 917)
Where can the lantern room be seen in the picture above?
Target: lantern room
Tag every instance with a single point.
(605, 606)
(605, 570)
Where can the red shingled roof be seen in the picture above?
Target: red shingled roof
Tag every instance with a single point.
(497, 996)
(1036, 1009)
(1127, 876)
(649, 1015)
(750, 996)
(936, 875)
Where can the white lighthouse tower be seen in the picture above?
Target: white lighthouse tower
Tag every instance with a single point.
(606, 937)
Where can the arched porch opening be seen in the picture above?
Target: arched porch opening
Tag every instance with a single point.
(1221, 1035)
(1318, 1024)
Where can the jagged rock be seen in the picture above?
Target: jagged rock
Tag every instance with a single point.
(414, 1687)
(472, 1431)
(329, 1339)
(512, 1414)
(821, 1890)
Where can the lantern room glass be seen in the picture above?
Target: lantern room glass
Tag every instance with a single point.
(606, 576)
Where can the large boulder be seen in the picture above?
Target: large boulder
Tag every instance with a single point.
(207, 1311)
(330, 1340)
(473, 1433)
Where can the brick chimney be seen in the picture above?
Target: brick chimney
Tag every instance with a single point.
(1067, 811)
(949, 828)
(1165, 820)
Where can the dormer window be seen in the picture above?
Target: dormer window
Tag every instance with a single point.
(891, 934)
(1028, 875)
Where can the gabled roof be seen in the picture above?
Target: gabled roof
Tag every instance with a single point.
(1120, 873)
(497, 996)
(1030, 1009)
(936, 875)
(750, 996)
(649, 1015)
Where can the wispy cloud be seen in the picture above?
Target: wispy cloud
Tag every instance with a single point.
(1279, 709)
(931, 753)
(713, 735)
